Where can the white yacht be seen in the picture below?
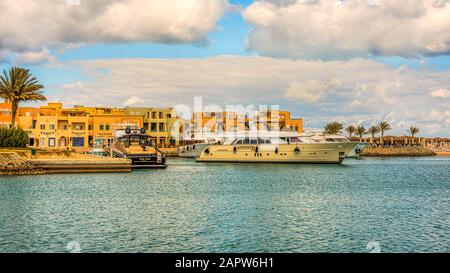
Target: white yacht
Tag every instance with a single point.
(256, 149)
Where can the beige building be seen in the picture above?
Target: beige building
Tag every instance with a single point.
(162, 124)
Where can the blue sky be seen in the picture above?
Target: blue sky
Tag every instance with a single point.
(393, 72)
(228, 39)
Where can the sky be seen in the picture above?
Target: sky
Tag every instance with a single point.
(353, 61)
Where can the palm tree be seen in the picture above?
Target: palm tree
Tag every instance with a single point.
(383, 126)
(413, 131)
(373, 130)
(333, 128)
(19, 85)
(361, 131)
(350, 130)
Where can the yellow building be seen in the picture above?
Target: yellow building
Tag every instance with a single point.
(52, 126)
(75, 128)
(161, 124)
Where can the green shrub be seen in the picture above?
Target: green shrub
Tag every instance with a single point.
(14, 137)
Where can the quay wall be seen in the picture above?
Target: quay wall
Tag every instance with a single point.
(13, 164)
(99, 165)
(21, 163)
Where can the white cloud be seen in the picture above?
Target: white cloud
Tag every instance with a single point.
(34, 57)
(32, 26)
(73, 2)
(310, 91)
(322, 29)
(77, 86)
(367, 91)
(133, 100)
(440, 93)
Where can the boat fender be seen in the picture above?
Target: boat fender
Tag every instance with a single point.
(207, 151)
(297, 150)
(276, 150)
(256, 149)
(234, 149)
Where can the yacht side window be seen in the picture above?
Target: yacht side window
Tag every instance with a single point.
(268, 141)
(239, 141)
(246, 141)
(261, 141)
(329, 140)
(253, 141)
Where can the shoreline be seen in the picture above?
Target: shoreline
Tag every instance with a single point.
(442, 153)
(397, 152)
(17, 163)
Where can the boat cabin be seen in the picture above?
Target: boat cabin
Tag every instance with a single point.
(135, 143)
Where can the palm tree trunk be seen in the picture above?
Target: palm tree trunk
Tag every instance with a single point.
(14, 107)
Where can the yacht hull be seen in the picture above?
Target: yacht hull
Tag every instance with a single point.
(357, 151)
(333, 153)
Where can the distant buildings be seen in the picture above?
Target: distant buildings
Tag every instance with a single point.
(77, 128)
(218, 122)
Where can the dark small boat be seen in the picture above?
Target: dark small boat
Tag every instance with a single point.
(140, 149)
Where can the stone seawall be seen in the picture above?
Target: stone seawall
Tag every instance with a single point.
(13, 164)
(21, 163)
(400, 151)
(97, 165)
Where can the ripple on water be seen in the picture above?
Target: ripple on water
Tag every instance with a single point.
(402, 203)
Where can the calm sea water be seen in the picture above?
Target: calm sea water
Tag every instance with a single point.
(402, 204)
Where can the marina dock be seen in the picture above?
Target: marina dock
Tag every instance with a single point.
(16, 164)
(100, 165)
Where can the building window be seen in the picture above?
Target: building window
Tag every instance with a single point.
(90, 127)
(153, 115)
(153, 127)
(169, 115)
(162, 127)
(42, 126)
(161, 115)
(107, 127)
(51, 142)
(42, 142)
(52, 126)
(101, 127)
(78, 142)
